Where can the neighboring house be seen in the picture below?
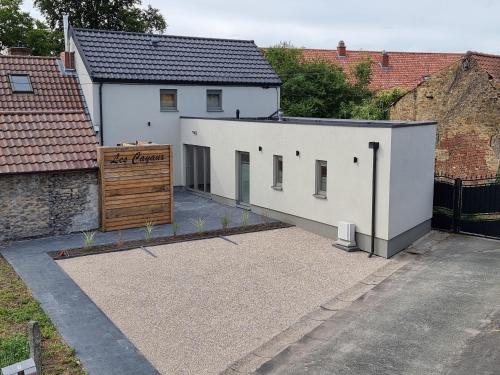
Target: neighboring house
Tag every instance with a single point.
(390, 69)
(48, 169)
(465, 100)
(138, 85)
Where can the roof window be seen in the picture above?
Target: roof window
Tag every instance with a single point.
(20, 83)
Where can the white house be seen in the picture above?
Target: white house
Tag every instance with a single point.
(138, 85)
(316, 173)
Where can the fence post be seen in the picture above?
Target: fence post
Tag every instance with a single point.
(35, 342)
(457, 197)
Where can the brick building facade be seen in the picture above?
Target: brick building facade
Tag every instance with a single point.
(465, 100)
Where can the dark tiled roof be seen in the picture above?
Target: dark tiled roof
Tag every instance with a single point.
(47, 130)
(406, 69)
(125, 56)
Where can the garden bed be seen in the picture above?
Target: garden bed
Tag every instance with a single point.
(134, 244)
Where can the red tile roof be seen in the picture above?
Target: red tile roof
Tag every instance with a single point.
(49, 129)
(490, 63)
(406, 69)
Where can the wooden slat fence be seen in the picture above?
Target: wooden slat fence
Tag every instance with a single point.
(136, 186)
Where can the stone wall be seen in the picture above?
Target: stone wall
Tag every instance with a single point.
(466, 104)
(43, 204)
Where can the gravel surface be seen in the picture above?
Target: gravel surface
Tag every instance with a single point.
(196, 307)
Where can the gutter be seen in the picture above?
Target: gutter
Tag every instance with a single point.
(374, 146)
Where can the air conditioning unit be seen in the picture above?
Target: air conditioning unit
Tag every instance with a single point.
(346, 236)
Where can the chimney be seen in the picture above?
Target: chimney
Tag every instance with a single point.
(19, 51)
(66, 29)
(385, 59)
(68, 60)
(341, 50)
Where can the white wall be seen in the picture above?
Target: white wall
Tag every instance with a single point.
(90, 90)
(127, 109)
(348, 183)
(412, 177)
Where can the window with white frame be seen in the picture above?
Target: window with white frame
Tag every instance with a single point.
(168, 100)
(278, 172)
(321, 175)
(20, 83)
(214, 100)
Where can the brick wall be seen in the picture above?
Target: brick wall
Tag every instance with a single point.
(43, 204)
(466, 105)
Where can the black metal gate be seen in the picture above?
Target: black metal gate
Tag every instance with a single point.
(467, 206)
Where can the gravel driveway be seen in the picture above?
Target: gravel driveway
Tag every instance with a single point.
(196, 307)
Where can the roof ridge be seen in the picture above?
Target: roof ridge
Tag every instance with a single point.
(374, 51)
(30, 57)
(163, 35)
(484, 54)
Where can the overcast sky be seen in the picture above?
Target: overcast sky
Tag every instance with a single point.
(405, 25)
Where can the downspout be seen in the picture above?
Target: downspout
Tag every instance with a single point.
(374, 146)
(277, 99)
(101, 132)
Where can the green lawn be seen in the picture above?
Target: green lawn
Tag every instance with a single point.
(17, 308)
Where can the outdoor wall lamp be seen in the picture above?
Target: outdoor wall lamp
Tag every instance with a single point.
(355, 160)
(260, 148)
(297, 153)
(149, 123)
(195, 132)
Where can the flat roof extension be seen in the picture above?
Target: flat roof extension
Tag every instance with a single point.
(325, 121)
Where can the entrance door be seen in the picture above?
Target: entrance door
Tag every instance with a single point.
(198, 168)
(243, 177)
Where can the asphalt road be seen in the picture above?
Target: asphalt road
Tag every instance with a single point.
(440, 314)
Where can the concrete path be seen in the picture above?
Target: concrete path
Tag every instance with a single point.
(100, 345)
(439, 314)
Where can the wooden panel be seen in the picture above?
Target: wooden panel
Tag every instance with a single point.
(136, 186)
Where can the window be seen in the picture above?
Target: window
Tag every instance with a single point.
(20, 83)
(321, 173)
(278, 172)
(168, 100)
(214, 100)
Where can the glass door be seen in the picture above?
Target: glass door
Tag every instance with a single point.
(197, 163)
(243, 177)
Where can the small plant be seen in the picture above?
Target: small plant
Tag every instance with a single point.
(88, 238)
(175, 228)
(199, 223)
(120, 241)
(148, 229)
(224, 221)
(244, 218)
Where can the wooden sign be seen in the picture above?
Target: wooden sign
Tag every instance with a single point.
(136, 186)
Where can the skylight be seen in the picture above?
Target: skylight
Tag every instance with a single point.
(20, 83)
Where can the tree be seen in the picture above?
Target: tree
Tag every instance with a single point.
(375, 107)
(122, 15)
(19, 28)
(317, 88)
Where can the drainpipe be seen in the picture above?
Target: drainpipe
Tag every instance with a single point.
(374, 147)
(100, 115)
